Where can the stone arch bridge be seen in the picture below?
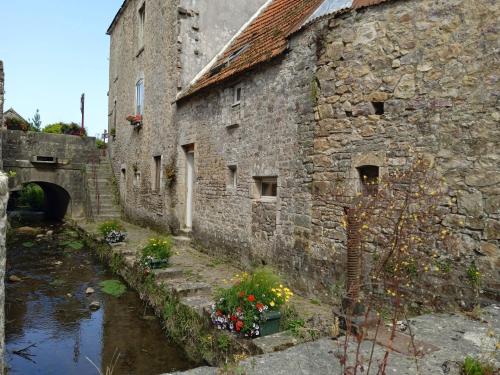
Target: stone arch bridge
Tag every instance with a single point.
(57, 163)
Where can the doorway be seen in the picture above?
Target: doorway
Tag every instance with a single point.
(189, 185)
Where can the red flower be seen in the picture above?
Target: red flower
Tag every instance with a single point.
(259, 306)
(241, 294)
(251, 298)
(239, 325)
(234, 318)
(218, 313)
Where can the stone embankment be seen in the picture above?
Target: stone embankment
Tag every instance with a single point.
(182, 295)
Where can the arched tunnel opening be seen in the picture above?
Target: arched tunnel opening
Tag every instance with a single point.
(39, 196)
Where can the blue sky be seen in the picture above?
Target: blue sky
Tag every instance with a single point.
(53, 51)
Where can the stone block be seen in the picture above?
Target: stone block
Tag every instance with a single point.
(470, 204)
(406, 87)
(492, 230)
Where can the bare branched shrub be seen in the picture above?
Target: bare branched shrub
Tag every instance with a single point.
(394, 227)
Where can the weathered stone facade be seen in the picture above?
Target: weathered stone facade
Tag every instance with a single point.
(180, 37)
(430, 67)
(4, 197)
(263, 136)
(353, 89)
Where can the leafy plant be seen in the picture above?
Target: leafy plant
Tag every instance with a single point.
(12, 174)
(64, 128)
(32, 196)
(28, 244)
(13, 123)
(113, 287)
(112, 132)
(100, 144)
(36, 122)
(474, 275)
(75, 245)
(473, 366)
(108, 226)
(115, 237)
(158, 248)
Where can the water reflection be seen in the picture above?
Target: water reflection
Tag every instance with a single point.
(50, 310)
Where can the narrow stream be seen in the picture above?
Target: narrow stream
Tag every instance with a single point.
(50, 328)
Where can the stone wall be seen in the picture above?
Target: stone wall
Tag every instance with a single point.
(432, 67)
(4, 196)
(179, 39)
(2, 89)
(66, 176)
(263, 136)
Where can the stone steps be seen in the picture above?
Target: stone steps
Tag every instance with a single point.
(276, 342)
(168, 273)
(201, 304)
(183, 288)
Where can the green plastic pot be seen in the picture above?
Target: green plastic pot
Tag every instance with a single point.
(270, 323)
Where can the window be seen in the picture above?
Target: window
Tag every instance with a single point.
(142, 22)
(232, 176)
(139, 97)
(369, 176)
(379, 107)
(266, 187)
(137, 179)
(237, 95)
(157, 173)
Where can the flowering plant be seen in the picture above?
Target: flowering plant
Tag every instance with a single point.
(156, 253)
(134, 119)
(115, 236)
(244, 306)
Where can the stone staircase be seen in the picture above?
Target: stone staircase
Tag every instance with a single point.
(100, 190)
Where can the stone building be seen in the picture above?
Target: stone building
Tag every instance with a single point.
(305, 94)
(157, 47)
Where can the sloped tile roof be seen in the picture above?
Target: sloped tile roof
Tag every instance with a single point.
(263, 39)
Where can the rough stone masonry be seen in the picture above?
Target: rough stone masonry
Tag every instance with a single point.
(4, 196)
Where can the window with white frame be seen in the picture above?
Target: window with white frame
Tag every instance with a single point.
(237, 92)
(139, 97)
(142, 22)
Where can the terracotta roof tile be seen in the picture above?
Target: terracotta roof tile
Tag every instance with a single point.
(263, 39)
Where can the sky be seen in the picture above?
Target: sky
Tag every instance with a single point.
(53, 51)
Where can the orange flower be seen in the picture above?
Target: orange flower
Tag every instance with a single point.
(242, 294)
(251, 298)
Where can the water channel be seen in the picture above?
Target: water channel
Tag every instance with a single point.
(50, 328)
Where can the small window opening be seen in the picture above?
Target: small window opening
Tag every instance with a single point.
(379, 107)
(123, 174)
(369, 176)
(137, 178)
(142, 22)
(237, 91)
(232, 176)
(157, 175)
(348, 113)
(266, 187)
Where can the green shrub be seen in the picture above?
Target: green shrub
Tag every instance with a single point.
(13, 123)
(473, 366)
(64, 128)
(108, 226)
(101, 145)
(159, 248)
(32, 196)
(474, 275)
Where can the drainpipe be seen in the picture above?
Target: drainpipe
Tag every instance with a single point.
(350, 303)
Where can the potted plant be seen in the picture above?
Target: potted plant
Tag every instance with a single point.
(135, 120)
(156, 254)
(251, 307)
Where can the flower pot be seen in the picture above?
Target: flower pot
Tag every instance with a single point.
(270, 323)
(157, 263)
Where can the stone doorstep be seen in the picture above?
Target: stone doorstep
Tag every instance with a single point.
(181, 240)
(168, 273)
(275, 343)
(183, 288)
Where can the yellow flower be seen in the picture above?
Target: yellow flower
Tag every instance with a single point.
(272, 303)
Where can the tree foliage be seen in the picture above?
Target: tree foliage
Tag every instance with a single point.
(35, 123)
(64, 128)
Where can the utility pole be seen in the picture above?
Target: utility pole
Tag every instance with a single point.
(82, 109)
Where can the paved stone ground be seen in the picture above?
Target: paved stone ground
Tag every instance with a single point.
(195, 276)
(455, 336)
